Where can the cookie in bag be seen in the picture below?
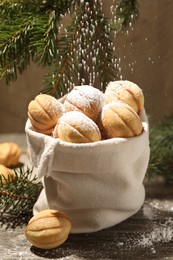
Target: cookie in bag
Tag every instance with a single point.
(44, 112)
(126, 91)
(85, 99)
(76, 127)
(118, 119)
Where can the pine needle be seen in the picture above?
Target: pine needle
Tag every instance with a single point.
(18, 197)
(29, 31)
(161, 142)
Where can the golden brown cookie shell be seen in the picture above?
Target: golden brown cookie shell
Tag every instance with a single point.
(118, 119)
(85, 99)
(44, 112)
(10, 154)
(48, 229)
(76, 127)
(126, 91)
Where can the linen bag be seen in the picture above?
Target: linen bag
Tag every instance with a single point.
(97, 184)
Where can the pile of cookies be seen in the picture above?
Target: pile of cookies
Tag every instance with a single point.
(88, 115)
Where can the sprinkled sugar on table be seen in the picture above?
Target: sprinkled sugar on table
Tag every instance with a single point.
(146, 235)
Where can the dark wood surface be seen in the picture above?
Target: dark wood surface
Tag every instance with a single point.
(146, 235)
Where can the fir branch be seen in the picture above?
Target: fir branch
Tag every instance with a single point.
(18, 197)
(106, 61)
(98, 45)
(61, 6)
(44, 38)
(124, 14)
(86, 53)
(59, 80)
(14, 49)
(10, 8)
(28, 32)
(86, 58)
(161, 142)
(66, 66)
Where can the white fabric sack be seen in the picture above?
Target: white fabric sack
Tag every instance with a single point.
(97, 184)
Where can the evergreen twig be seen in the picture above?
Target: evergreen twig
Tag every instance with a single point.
(161, 142)
(58, 81)
(30, 30)
(18, 197)
(125, 13)
(86, 52)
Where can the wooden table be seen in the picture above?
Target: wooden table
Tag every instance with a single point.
(146, 235)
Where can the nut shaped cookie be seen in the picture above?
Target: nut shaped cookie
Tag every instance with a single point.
(118, 119)
(76, 127)
(85, 99)
(6, 174)
(126, 91)
(48, 229)
(44, 112)
(10, 154)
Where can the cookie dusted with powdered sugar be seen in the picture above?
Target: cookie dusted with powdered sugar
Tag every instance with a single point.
(85, 99)
(76, 127)
(44, 112)
(127, 92)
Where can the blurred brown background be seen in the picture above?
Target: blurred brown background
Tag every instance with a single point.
(146, 58)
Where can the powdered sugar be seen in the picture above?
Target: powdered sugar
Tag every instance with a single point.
(126, 91)
(93, 94)
(86, 99)
(162, 233)
(79, 123)
(159, 233)
(78, 118)
(57, 107)
(120, 85)
(53, 106)
(163, 205)
(77, 100)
